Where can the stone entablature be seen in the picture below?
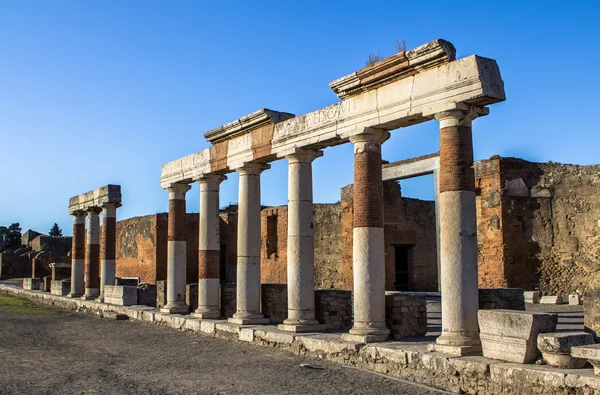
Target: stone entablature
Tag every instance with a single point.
(460, 83)
(96, 198)
(396, 67)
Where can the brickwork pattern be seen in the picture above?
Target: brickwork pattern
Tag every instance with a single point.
(368, 190)
(456, 159)
(78, 242)
(92, 266)
(176, 220)
(208, 264)
(108, 234)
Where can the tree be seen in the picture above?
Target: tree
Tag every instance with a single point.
(10, 237)
(55, 231)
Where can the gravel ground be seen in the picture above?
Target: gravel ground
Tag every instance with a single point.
(46, 351)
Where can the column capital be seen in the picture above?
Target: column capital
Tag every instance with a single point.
(370, 140)
(94, 210)
(211, 178)
(462, 115)
(177, 191)
(111, 205)
(78, 213)
(253, 168)
(303, 155)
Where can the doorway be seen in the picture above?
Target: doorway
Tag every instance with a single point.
(403, 255)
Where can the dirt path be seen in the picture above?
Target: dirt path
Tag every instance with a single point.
(55, 352)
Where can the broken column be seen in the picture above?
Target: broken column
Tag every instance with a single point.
(78, 255)
(300, 245)
(458, 234)
(368, 244)
(248, 247)
(108, 239)
(209, 248)
(92, 255)
(176, 251)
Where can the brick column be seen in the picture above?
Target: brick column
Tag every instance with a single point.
(458, 236)
(77, 255)
(248, 247)
(300, 245)
(176, 251)
(108, 241)
(209, 248)
(92, 255)
(368, 245)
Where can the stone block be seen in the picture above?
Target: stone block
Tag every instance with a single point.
(553, 299)
(532, 296)
(510, 335)
(146, 294)
(556, 348)
(161, 293)
(32, 284)
(501, 298)
(132, 282)
(120, 295)
(574, 300)
(60, 287)
(591, 353)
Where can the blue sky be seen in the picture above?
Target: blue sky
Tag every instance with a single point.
(98, 92)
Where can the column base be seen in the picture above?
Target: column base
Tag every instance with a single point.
(172, 308)
(248, 318)
(100, 299)
(301, 328)
(206, 315)
(458, 351)
(74, 295)
(91, 294)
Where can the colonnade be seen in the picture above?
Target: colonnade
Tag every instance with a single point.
(93, 251)
(458, 240)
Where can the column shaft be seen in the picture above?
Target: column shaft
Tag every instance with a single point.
(248, 247)
(300, 245)
(458, 236)
(176, 251)
(368, 243)
(78, 255)
(92, 255)
(209, 248)
(108, 240)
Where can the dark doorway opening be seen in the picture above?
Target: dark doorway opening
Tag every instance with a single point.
(403, 256)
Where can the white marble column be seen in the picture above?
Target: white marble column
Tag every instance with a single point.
(176, 251)
(248, 247)
(368, 254)
(458, 236)
(209, 248)
(78, 255)
(300, 245)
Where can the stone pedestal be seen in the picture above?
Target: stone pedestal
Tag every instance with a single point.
(209, 249)
(32, 284)
(300, 245)
(176, 251)
(60, 287)
(120, 295)
(556, 348)
(248, 247)
(368, 244)
(92, 255)
(78, 255)
(532, 296)
(458, 235)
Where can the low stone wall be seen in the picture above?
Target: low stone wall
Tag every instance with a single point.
(405, 314)
(228, 300)
(274, 302)
(146, 294)
(501, 298)
(409, 362)
(333, 307)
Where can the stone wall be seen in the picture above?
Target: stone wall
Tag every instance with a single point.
(141, 249)
(405, 314)
(538, 225)
(333, 308)
(501, 298)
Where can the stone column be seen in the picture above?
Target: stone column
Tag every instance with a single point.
(108, 240)
(209, 248)
(368, 245)
(458, 236)
(176, 251)
(300, 245)
(77, 255)
(248, 247)
(92, 255)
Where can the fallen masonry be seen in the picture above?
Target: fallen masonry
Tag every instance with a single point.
(405, 360)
